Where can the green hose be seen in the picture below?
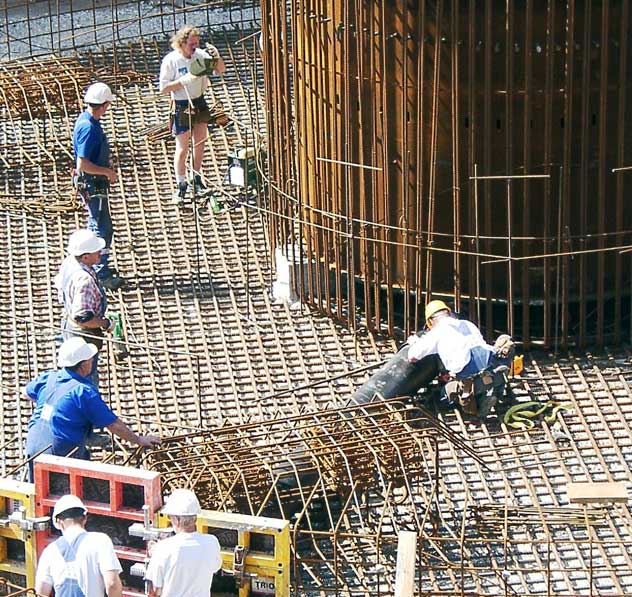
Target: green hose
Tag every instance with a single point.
(523, 416)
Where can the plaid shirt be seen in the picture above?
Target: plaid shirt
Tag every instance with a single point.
(83, 293)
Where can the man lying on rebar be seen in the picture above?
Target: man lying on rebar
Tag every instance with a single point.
(477, 370)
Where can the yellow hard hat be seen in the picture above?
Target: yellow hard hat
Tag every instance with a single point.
(433, 307)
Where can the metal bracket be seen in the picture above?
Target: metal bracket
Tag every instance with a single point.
(146, 530)
(138, 569)
(239, 566)
(19, 519)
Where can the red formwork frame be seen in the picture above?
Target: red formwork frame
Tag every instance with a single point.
(117, 477)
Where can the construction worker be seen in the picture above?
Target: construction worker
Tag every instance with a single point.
(68, 406)
(94, 174)
(81, 292)
(190, 112)
(79, 563)
(183, 564)
(476, 368)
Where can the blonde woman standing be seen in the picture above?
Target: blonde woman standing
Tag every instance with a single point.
(190, 116)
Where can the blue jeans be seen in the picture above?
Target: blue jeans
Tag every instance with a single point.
(480, 360)
(100, 222)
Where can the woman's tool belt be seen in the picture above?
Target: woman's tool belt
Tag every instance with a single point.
(218, 115)
(186, 115)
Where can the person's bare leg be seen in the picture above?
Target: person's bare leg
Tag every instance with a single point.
(200, 134)
(180, 155)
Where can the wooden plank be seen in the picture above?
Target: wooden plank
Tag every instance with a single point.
(405, 572)
(595, 493)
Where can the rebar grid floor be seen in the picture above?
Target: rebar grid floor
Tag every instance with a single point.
(211, 353)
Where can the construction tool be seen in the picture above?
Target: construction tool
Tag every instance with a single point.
(201, 66)
(118, 344)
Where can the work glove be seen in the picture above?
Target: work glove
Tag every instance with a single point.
(111, 323)
(212, 51)
(504, 346)
(221, 120)
(187, 79)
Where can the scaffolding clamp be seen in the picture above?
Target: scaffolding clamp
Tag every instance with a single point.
(146, 531)
(19, 519)
(238, 570)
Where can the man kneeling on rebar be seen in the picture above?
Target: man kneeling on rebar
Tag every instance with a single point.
(477, 370)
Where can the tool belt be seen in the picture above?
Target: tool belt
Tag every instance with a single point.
(185, 115)
(90, 335)
(465, 391)
(218, 115)
(89, 184)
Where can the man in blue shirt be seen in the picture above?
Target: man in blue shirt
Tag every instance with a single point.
(68, 407)
(94, 174)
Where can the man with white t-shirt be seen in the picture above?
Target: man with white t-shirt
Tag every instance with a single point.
(183, 565)
(191, 113)
(79, 563)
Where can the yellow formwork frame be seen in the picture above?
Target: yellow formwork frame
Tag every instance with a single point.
(24, 495)
(262, 565)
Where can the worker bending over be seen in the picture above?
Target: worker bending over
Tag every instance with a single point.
(183, 564)
(190, 114)
(68, 407)
(477, 369)
(79, 563)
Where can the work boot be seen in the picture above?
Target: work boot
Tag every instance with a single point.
(113, 282)
(179, 197)
(485, 405)
(200, 187)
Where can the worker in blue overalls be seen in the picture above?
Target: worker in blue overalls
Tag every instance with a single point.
(68, 406)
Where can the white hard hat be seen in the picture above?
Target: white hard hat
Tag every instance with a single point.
(98, 93)
(182, 502)
(64, 503)
(74, 350)
(84, 241)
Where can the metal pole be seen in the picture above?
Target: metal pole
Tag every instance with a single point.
(510, 324)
